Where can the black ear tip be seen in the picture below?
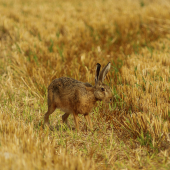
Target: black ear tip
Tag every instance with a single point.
(98, 64)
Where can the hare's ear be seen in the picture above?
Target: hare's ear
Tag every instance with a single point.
(104, 72)
(97, 72)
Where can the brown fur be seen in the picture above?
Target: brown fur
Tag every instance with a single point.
(75, 97)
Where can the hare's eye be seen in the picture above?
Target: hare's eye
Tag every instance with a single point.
(102, 89)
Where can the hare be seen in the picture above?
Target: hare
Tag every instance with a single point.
(74, 97)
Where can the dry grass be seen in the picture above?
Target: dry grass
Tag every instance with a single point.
(42, 40)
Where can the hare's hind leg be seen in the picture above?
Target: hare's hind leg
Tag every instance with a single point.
(87, 117)
(51, 109)
(64, 118)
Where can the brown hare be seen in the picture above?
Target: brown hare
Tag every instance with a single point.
(75, 97)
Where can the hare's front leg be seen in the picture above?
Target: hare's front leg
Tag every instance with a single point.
(76, 120)
(51, 109)
(87, 117)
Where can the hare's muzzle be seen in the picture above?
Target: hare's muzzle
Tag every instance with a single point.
(109, 100)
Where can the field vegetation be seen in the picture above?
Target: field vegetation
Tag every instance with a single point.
(44, 40)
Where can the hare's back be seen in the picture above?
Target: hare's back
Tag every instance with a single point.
(67, 85)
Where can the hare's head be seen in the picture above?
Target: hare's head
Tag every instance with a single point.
(102, 92)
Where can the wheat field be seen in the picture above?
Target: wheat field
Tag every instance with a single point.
(44, 40)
